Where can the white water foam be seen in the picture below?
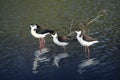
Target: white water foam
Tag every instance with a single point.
(43, 51)
(85, 64)
(59, 57)
(39, 58)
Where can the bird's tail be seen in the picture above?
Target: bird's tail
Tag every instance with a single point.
(95, 41)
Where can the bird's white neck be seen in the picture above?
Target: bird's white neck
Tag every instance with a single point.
(55, 38)
(78, 35)
(33, 32)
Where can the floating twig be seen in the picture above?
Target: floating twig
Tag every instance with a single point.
(71, 26)
(89, 21)
(100, 13)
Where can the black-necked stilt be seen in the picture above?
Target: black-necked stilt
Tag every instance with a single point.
(35, 29)
(85, 40)
(60, 40)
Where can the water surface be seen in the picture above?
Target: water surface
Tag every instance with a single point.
(18, 46)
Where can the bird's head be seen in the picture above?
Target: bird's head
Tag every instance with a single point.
(54, 34)
(78, 31)
(34, 27)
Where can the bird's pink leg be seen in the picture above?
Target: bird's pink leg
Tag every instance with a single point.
(43, 42)
(64, 48)
(40, 43)
(88, 52)
(85, 49)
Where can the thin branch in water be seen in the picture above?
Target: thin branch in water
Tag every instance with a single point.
(92, 20)
(71, 26)
(89, 21)
(71, 33)
(100, 13)
(104, 12)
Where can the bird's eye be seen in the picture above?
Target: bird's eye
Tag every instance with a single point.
(53, 33)
(77, 29)
(38, 26)
(35, 29)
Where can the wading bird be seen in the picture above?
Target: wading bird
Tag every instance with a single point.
(61, 40)
(40, 33)
(85, 41)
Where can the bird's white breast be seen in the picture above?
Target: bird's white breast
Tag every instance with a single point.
(85, 43)
(55, 40)
(38, 35)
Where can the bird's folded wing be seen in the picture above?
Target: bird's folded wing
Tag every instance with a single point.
(88, 38)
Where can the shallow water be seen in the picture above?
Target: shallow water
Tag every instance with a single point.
(18, 46)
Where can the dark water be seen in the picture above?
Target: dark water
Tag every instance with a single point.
(17, 46)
